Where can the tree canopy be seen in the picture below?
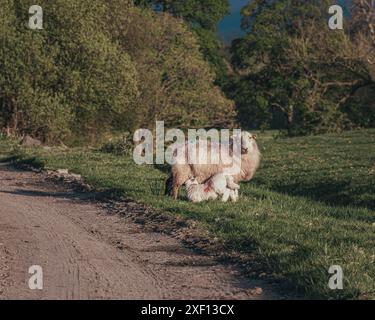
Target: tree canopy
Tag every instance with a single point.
(293, 72)
(203, 17)
(203, 13)
(100, 66)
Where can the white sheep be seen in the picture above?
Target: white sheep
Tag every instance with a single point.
(182, 171)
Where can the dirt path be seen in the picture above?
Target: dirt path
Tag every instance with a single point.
(87, 253)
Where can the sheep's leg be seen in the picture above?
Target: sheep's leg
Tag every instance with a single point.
(213, 196)
(231, 184)
(176, 190)
(226, 195)
(234, 195)
(169, 186)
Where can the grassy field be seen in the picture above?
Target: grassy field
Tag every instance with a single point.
(310, 206)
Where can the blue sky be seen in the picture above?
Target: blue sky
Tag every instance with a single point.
(230, 26)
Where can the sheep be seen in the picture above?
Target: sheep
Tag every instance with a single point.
(217, 186)
(182, 171)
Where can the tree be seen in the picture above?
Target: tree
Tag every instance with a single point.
(203, 17)
(363, 18)
(203, 13)
(56, 83)
(362, 31)
(99, 67)
(291, 64)
(176, 84)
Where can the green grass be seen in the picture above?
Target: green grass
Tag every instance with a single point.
(310, 206)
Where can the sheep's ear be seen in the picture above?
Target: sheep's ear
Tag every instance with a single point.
(255, 137)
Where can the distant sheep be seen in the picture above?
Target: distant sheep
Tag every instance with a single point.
(181, 172)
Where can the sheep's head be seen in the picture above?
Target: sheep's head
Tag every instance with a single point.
(248, 142)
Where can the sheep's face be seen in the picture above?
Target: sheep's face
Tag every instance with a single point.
(248, 142)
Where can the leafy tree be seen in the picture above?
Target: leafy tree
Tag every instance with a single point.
(203, 16)
(203, 13)
(363, 19)
(361, 108)
(101, 66)
(291, 64)
(176, 84)
(68, 79)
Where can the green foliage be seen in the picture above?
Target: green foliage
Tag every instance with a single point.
(174, 78)
(203, 17)
(203, 13)
(291, 65)
(213, 52)
(99, 67)
(120, 146)
(361, 108)
(69, 78)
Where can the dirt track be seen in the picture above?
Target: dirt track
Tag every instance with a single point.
(87, 253)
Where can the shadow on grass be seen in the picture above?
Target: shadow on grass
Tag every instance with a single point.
(20, 162)
(333, 193)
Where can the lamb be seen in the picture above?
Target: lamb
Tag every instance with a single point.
(249, 163)
(218, 185)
